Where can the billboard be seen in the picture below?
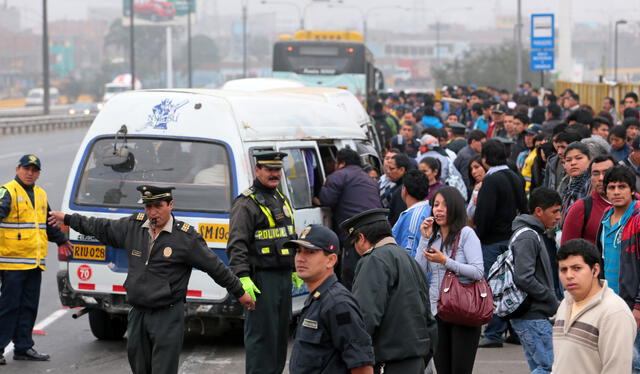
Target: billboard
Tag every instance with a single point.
(158, 12)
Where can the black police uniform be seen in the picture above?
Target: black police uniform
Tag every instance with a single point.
(331, 336)
(157, 281)
(261, 222)
(393, 294)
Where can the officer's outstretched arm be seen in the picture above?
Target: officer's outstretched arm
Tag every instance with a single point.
(107, 231)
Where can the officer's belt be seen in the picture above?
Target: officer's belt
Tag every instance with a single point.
(151, 310)
(275, 233)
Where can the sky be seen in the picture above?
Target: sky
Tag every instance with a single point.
(408, 13)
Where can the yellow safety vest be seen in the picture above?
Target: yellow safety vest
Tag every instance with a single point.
(23, 233)
(274, 233)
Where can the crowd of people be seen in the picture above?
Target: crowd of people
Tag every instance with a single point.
(476, 173)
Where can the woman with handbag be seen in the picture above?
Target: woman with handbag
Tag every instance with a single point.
(450, 251)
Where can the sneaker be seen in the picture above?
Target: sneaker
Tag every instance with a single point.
(488, 343)
(30, 355)
(512, 339)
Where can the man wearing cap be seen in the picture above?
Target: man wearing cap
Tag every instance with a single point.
(497, 125)
(162, 252)
(393, 295)
(331, 336)
(456, 134)
(24, 234)
(261, 222)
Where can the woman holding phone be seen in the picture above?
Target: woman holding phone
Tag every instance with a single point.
(446, 229)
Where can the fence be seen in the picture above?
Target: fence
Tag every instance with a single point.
(43, 123)
(594, 93)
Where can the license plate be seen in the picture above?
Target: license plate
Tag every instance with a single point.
(214, 232)
(89, 252)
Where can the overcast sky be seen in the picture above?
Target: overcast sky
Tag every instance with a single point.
(474, 13)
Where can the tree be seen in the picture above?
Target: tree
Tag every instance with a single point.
(495, 67)
(204, 52)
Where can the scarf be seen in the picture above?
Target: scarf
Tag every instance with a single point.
(577, 188)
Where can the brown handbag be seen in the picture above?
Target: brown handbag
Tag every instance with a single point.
(467, 304)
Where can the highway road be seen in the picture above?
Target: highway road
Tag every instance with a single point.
(74, 349)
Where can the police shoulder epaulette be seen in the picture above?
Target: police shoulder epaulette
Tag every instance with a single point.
(248, 192)
(139, 217)
(182, 226)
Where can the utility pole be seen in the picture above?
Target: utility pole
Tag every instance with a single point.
(131, 47)
(519, 44)
(45, 58)
(189, 66)
(438, 43)
(244, 39)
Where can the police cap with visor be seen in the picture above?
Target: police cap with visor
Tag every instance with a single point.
(270, 159)
(316, 237)
(351, 225)
(152, 194)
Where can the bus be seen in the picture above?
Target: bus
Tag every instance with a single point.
(328, 59)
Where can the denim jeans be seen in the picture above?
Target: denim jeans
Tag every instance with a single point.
(635, 364)
(497, 327)
(537, 343)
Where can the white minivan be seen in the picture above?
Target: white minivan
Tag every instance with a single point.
(35, 97)
(201, 142)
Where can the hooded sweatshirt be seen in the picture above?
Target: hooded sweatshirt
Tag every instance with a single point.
(533, 273)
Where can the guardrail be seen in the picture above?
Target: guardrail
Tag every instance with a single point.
(32, 111)
(43, 123)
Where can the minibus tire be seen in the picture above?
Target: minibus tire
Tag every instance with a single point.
(105, 326)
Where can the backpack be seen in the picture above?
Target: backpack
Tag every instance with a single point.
(507, 297)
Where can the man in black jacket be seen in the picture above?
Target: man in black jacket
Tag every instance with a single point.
(500, 199)
(348, 191)
(398, 167)
(162, 252)
(533, 274)
(393, 295)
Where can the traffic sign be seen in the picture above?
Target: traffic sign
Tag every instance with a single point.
(543, 31)
(542, 59)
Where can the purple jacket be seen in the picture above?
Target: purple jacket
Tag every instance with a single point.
(349, 191)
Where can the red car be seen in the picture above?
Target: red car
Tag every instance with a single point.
(155, 10)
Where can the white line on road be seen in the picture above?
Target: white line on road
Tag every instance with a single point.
(11, 155)
(51, 318)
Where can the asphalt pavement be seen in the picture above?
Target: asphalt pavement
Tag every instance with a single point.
(74, 349)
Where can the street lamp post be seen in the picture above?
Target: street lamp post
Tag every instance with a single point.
(244, 39)
(189, 62)
(519, 44)
(300, 17)
(132, 59)
(615, 48)
(45, 58)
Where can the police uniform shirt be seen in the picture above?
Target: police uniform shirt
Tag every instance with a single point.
(168, 227)
(331, 336)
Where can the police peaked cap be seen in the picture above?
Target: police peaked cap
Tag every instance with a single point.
(152, 194)
(270, 159)
(352, 224)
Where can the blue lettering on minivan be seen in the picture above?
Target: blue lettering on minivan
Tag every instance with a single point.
(164, 113)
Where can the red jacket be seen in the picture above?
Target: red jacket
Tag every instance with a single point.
(572, 228)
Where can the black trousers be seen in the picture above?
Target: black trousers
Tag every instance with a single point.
(266, 328)
(19, 299)
(348, 264)
(155, 339)
(456, 350)
(414, 365)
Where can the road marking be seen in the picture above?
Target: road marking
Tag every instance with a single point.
(194, 361)
(11, 155)
(51, 318)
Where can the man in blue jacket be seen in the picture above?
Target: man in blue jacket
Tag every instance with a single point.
(348, 191)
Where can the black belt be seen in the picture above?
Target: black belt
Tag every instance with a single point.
(156, 309)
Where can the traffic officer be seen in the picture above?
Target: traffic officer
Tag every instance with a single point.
(393, 295)
(331, 337)
(161, 252)
(261, 222)
(23, 251)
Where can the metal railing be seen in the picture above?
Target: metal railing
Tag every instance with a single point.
(43, 123)
(594, 93)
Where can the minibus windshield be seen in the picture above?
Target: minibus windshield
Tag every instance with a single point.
(198, 170)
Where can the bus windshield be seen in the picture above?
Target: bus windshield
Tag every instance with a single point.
(199, 171)
(319, 57)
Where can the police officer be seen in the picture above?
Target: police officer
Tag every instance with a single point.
(23, 250)
(261, 223)
(393, 295)
(161, 252)
(331, 337)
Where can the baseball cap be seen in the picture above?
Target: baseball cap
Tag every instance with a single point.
(27, 160)
(317, 237)
(500, 108)
(429, 141)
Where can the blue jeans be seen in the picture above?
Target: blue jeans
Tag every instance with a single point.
(635, 364)
(497, 327)
(537, 343)
(19, 298)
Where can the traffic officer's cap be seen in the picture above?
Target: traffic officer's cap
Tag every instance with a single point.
(152, 194)
(27, 160)
(534, 129)
(270, 159)
(352, 224)
(500, 109)
(503, 140)
(317, 237)
(457, 128)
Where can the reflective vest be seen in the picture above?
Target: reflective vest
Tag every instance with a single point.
(269, 242)
(23, 233)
